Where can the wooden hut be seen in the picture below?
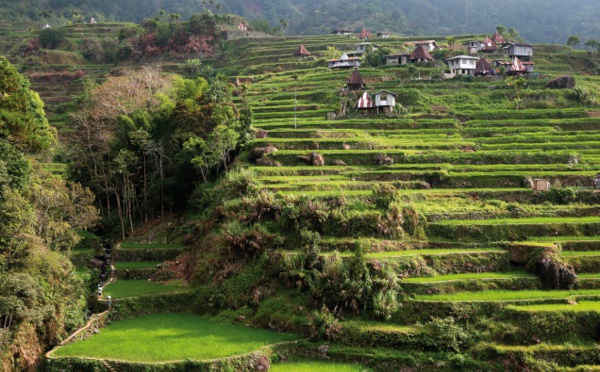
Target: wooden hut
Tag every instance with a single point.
(385, 101)
(484, 68)
(365, 102)
(498, 39)
(364, 34)
(301, 52)
(516, 67)
(420, 55)
(355, 81)
(489, 46)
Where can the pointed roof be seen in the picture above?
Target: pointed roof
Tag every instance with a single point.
(483, 65)
(498, 39)
(420, 53)
(489, 45)
(517, 66)
(301, 52)
(355, 78)
(365, 102)
(364, 34)
(242, 27)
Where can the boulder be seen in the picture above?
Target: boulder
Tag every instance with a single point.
(381, 159)
(339, 162)
(317, 159)
(562, 82)
(262, 364)
(262, 134)
(345, 146)
(259, 152)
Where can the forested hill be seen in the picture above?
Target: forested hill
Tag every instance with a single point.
(539, 21)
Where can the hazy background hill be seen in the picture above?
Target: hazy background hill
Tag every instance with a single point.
(542, 21)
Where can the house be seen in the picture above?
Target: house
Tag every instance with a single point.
(528, 66)
(242, 27)
(420, 55)
(362, 48)
(385, 101)
(516, 67)
(484, 68)
(397, 59)
(364, 34)
(462, 65)
(365, 102)
(344, 62)
(301, 52)
(383, 35)
(489, 46)
(46, 26)
(355, 81)
(473, 46)
(93, 21)
(498, 39)
(521, 50)
(341, 31)
(430, 45)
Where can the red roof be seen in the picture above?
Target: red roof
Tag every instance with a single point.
(242, 27)
(355, 78)
(301, 51)
(483, 65)
(364, 34)
(517, 66)
(420, 53)
(365, 102)
(498, 39)
(489, 45)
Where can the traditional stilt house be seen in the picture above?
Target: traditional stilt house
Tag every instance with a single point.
(517, 67)
(484, 68)
(489, 46)
(365, 102)
(301, 52)
(385, 101)
(355, 81)
(420, 55)
(344, 62)
(523, 51)
(498, 39)
(364, 34)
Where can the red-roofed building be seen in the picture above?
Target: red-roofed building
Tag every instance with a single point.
(301, 52)
(242, 27)
(364, 34)
(484, 68)
(365, 102)
(498, 39)
(489, 46)
(355, 81)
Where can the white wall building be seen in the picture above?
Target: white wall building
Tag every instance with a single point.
(462, 65)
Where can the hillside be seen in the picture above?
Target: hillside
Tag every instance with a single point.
(403, 241)
(538, 21)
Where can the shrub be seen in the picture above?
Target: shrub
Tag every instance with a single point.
(385, 304)
(444, 335)
(51, 38)
(324, 325)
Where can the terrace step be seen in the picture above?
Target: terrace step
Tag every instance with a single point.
(470, 282)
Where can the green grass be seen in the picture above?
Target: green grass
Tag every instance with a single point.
(316, 366)
(135, 265)
(507, 295)
(134, 288)
(517, 221)
(583, 306)
(469, 276)
(580, 253)
(132, 245)
(171, 337)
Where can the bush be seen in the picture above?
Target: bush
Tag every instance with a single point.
(444, 335)
(324, 325)
(385, 304)
(51, 38)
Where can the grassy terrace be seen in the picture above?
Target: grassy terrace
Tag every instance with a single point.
(135, 288)
(171, 337)
(317, 366)
(523, 221)
(135, 265)
(469, 276)
(581, 306)
(132, 245)
(423, 252)
(508, 295)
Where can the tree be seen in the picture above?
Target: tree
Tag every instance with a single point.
(451, 40)
(573, 41)
(501, 29)
(331, 52)
(283, 24)
(593, 45)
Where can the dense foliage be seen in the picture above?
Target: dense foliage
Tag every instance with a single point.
(539, 21)
(40, 296)
(138, 137)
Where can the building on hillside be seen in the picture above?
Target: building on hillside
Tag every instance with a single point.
(397, 59)
(521, 50)
(355, 81)
(498, 39)
(301, 52)
(473, 46)
(242, 27)
(489, 46)
(385, 101)
(516, 66)
(344, 62)
(365, 102)
(364, 34)
(341, 31)
(430, 45)
(420, 55)
(93, 21)
(383, 35)
(484, 68)
(362, 48)
(45, 26)
(462, 65)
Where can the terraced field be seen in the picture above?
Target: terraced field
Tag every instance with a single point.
(460, 155)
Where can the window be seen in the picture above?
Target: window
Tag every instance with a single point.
(383, 97)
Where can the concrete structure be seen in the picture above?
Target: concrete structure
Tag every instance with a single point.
(383, 35)
(462, 65)
(397, 59)
(430, 45)
(521, 50)
(341, 31)
(473, 46)
(344, 62)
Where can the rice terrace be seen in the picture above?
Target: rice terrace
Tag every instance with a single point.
(215, 193)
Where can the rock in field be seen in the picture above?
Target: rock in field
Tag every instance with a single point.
(562, 82)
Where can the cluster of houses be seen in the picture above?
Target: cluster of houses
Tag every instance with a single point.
(520, 55)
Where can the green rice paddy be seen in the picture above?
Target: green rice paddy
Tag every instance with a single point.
(171, 337)
(132, 245)
(317, 366)
(582, 306)
(134, 288)
(508, 295)
(469, 276)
